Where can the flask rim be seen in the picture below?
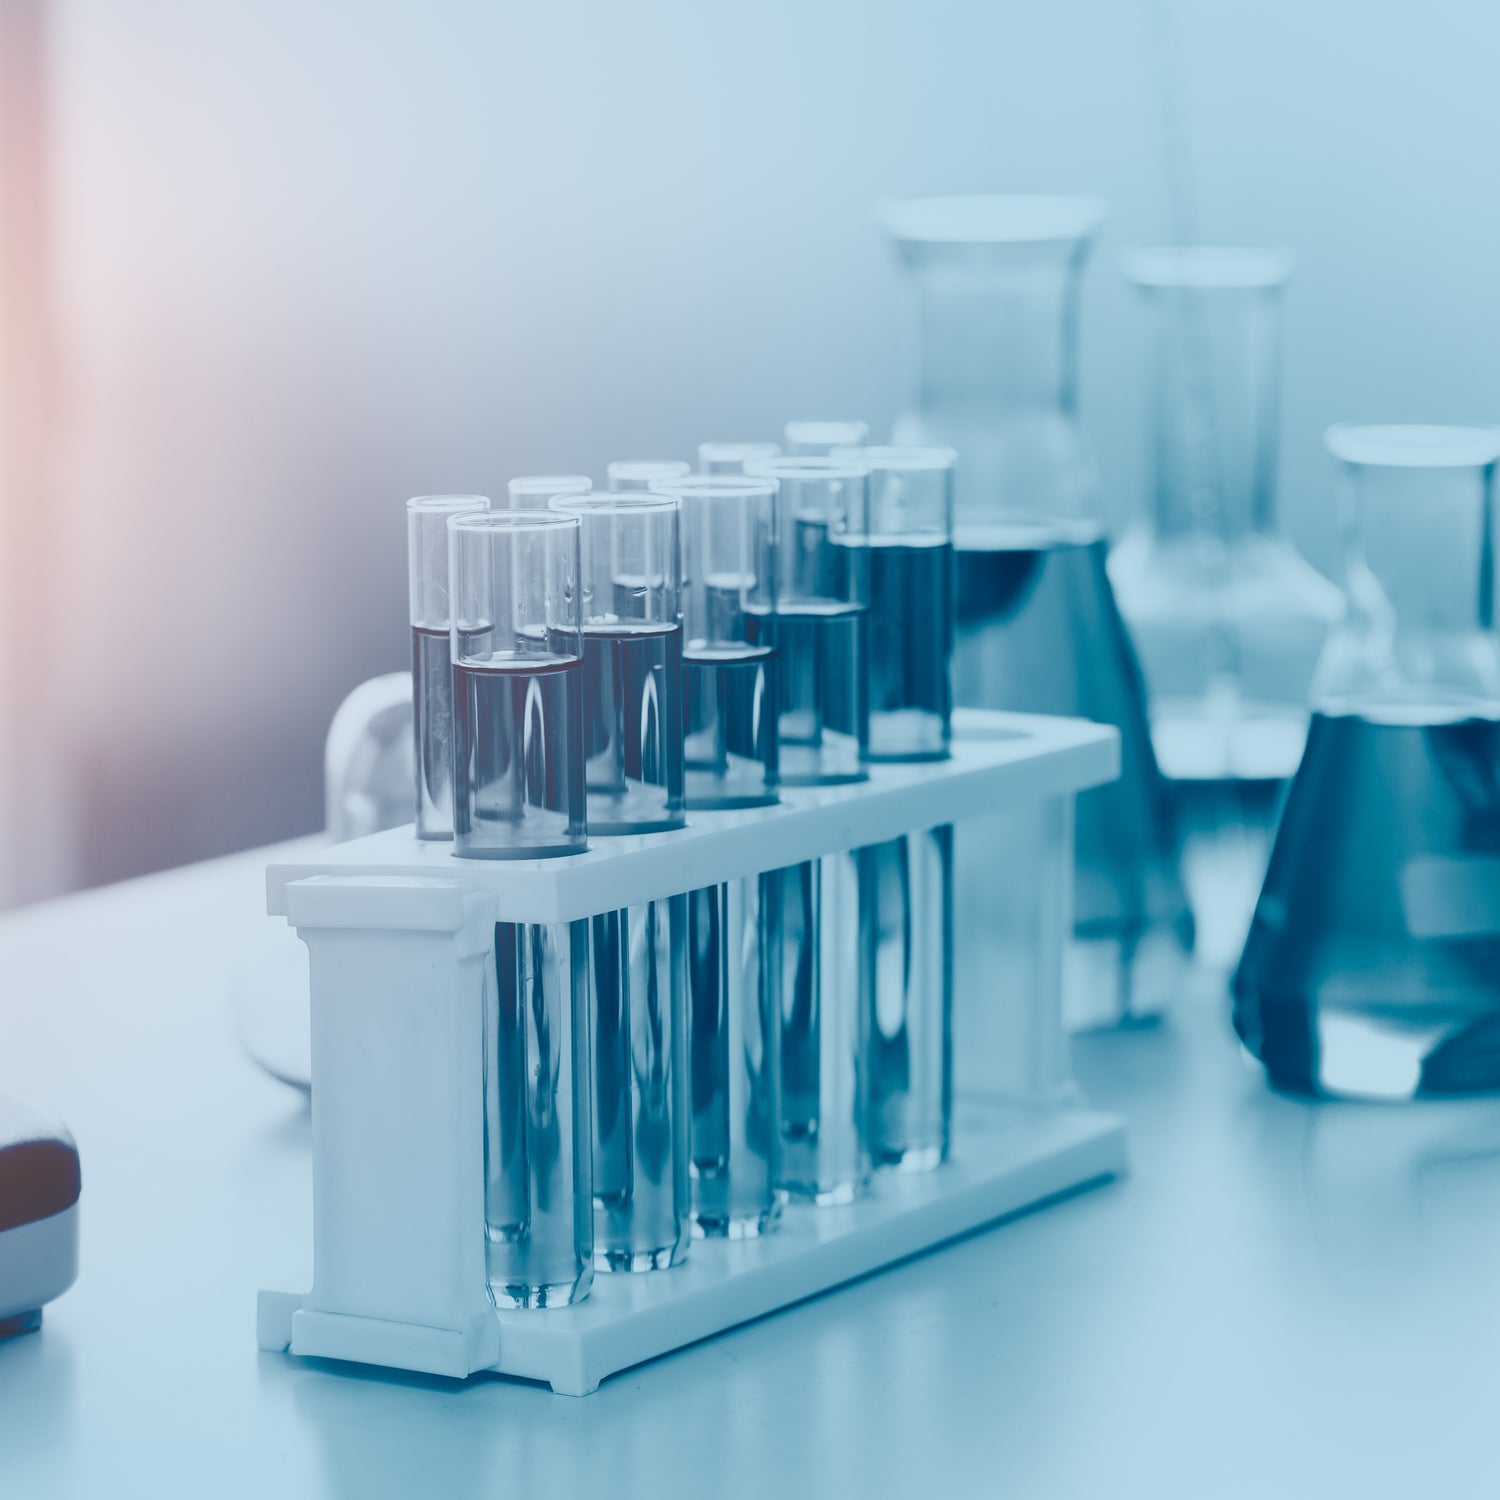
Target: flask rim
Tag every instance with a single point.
(1411, 445)
(1208, 267)
(993, 218)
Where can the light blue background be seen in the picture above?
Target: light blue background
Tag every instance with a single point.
(311, 258)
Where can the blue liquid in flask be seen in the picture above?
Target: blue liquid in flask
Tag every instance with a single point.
(1372, 968)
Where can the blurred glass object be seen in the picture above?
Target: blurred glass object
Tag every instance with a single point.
(996, 282)
(1372, 968)
(731, 458)
(627, 474)
(818, 439)
(1226, 615)
(369, 773)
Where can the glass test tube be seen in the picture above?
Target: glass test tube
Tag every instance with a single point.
(908, 544)
(517, 655)
(730, 752)
(537, 491)
(632, 631)
(731, 458)
(825, 921)
(431, 671)
(818, 439)
(627, 474)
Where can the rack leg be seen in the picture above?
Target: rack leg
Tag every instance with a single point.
(397, 968)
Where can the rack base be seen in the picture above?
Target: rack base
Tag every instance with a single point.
(1011, 1159)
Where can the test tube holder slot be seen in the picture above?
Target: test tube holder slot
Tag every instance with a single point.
(398, 931)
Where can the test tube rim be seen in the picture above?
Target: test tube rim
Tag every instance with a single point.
(817, 430)
(1414, 445)
(511, 520)
(1207, 268)
(912, 458)
(806, 466)
(727, 486)
(646, 468)
(536, 486)
(607, 502)
(748, 450)
(436, 505)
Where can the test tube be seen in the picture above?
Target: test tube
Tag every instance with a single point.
(431, 672)
(632, 717)
(537, 491)
(825, 917)
(819, 439)
(517, 655)
(627, 474)
(731, 458)
(730, 752)
(908, 536)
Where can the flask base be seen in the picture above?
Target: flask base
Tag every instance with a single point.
(1336, 1053)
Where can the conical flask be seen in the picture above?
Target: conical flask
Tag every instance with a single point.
(1227, 616)
(1372, 968)
(997, 283)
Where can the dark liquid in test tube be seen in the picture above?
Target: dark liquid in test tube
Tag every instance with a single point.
(432, 702)
(521, 792)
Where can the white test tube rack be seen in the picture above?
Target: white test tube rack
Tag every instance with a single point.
(398, 931)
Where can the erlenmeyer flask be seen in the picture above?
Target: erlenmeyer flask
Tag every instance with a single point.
(997, 284)
(1228, 618)
(1372, 968)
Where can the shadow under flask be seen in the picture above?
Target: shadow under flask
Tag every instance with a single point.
(518, 668)
(996, 283)
(1372, 967)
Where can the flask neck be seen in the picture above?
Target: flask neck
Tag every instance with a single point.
(1418, 546)
(1215, 408)
(1000, 336)
(996, 379)
(1417, 640)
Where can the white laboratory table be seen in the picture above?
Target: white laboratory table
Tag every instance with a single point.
(1281, 1300)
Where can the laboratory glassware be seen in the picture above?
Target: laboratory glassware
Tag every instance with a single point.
(1372, 968)
(818, 439)
(537, 491)
(632, 634)
(730, 752)
(518, 667)
(626, 474)
(908, 542)
(431, 671)
(997, 282)
(1226, 615)
(819, 628)
(731, 458)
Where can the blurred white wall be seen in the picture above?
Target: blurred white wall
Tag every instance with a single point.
(312, 256)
